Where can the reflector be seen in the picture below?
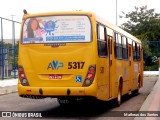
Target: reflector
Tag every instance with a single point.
(24, 81)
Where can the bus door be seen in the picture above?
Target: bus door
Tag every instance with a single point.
(102, 64)
(130, 67)
(110, 68)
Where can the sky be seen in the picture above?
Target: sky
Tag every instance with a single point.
(103, 8)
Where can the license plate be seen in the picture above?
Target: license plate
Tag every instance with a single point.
(55, 76)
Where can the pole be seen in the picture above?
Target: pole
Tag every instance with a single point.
(2, 55)
(13, 46)
(116, 12)
(12, 32)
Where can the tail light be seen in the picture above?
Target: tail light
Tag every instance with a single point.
(90, 75)
(22, 76)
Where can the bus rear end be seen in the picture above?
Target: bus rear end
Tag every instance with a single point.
(56, 56)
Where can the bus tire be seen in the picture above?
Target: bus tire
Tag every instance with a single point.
(136, 92)
(119, 96)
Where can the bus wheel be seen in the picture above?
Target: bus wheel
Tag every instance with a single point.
(136, 92)
(119, 96)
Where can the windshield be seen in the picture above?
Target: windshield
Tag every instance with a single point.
(54, 29)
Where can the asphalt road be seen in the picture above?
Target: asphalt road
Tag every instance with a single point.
(50, 108)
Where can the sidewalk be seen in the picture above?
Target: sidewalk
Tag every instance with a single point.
(8, 86)
(151, 73)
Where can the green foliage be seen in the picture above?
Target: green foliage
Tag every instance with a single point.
(151, 68)
(152, 64)
(144, 24)
(145, 46)
(142, 21)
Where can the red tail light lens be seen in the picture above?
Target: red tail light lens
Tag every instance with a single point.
(90, 75)
(22, 75)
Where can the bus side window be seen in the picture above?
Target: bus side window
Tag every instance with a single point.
(125, 47)
(110, 43)
(118, 46)
(109, 40)
(136, 51)
(102, 44)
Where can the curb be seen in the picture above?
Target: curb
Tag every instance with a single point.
(8, 89)
(150, 75)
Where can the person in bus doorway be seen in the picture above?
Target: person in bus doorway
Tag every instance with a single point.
(33, 29)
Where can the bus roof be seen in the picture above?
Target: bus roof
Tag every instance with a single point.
(58, 13)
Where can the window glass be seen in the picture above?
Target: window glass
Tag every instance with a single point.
(109, 31)
(119, 52)
(133, 44)
(136, 51)
(119, 39)
(125, 47)
(102, 35)
(129, 41)
(52, 29)
(102, 48)
(118, 46)
(124, 41)
(116, 37)
(102, 44)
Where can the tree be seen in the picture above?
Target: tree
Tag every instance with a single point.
(144, 24)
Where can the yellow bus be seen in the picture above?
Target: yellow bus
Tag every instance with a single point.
(70, 55)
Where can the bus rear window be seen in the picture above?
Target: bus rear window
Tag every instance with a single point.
(54, 29)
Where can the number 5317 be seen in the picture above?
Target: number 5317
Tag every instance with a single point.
(76, 65)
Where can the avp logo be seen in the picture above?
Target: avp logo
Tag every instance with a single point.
(55, 65)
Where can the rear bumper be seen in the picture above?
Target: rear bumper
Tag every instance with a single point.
(57, 91)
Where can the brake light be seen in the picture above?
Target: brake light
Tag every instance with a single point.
(90, 75)
(22, 76)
